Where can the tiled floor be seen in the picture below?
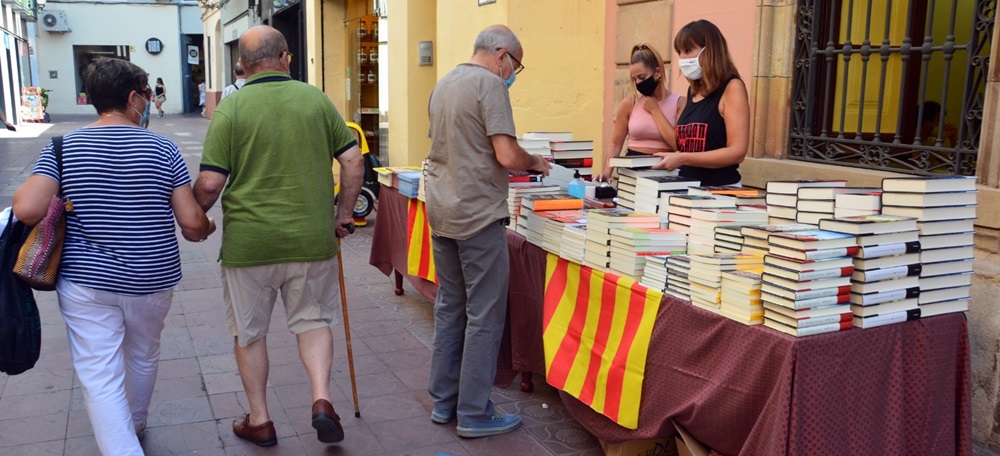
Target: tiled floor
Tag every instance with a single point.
(198, 391)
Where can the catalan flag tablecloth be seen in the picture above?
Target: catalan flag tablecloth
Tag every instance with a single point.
(420, 251)
(596, 332)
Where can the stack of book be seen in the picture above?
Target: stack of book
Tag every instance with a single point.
(422, 187)
(574, 243)
(654, 275)
(755, 236)
(678, 208)
(855, 204)
(782, 197)
(537, 142)
(884, 286)
(745, 196)
(575, 155)
(389, 176)
(729, 239)
(705, 220)
(516, 192)
(555, 223)
(531, 220)
(678, 284)
(630, 247)
(945, 209)
(741, 297)
(816, 203)
(804, 272)
(705, 276)
(628, 178)
(600, 222)
(409, 183)
(649, 189)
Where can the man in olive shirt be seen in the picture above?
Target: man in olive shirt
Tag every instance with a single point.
(275, 144)
(473, 145)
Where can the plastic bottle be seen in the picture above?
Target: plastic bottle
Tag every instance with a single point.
(576, 188)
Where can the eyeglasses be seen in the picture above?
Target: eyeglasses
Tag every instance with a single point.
(519, 68)
(289, 54)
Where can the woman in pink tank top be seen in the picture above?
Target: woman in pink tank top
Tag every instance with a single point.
(647, 118)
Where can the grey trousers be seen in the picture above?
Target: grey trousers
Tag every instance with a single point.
(469, 316)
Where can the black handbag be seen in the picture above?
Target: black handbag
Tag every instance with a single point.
(20, 324)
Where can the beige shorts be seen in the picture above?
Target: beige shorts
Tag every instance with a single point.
(308, 290)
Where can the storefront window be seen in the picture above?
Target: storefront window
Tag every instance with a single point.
(83, 56)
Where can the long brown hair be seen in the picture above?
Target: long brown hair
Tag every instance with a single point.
(716, 63)
(645, 54)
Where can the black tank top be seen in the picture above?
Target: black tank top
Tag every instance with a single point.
(701, 128)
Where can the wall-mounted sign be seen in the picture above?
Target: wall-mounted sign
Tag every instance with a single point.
(154, 46)
(193, 55)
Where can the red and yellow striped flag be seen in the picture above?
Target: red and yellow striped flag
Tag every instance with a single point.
(419, 250)
(596, 330)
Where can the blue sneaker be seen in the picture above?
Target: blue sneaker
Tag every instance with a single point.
(442, 416)
(501, 423)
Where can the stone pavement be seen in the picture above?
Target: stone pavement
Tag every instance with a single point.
(198, 392)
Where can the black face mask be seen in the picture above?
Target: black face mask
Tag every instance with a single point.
(647, 86)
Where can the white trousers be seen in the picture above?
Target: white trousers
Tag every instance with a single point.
(115, 343)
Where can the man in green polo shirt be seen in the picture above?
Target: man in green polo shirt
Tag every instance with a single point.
(269, 153)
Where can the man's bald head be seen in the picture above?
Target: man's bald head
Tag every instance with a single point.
(262, 48)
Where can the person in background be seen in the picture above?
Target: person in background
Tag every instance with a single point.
(648, 117)
(161, 96)
(202, 89)
(929, 127)
(144, 119)
(275, 144)
(8, 125)
(239, 80)
(120, 259)
(473, 147)
(713, 130)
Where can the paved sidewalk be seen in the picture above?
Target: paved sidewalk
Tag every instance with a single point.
(198, 392)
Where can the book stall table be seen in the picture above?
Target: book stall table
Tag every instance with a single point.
(896, 389)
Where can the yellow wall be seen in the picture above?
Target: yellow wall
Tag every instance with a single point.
(410, 85)
(562, 86)
(332, 52)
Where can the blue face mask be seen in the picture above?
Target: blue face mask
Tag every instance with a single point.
(513, 75)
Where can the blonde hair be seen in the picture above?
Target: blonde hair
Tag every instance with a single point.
(645, 54)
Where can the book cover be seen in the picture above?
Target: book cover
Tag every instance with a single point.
(876, 251)
(805, 322)
(723, 190)
(831, 193)
(929, 184)
(807, 265)
(635, 161)
(836, 309)
(807, 331)
(870, 224)
(892, 272)
(812, 240)
(792, 186)
(884, 308)
(665, 183)
(929, 199)
(810, 303)
(886, 319)
(551, 202)
(930, 214)
(800, 276)
(885, 296)
(818, 254)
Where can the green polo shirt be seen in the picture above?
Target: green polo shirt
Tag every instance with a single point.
(276, 139)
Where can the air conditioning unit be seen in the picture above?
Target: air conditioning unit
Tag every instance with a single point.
(53, 21)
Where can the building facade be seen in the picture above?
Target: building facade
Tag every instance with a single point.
(17, 65)
(162, 37)
(837, 89)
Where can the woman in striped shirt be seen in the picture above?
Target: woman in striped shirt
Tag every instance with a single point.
(120, 257)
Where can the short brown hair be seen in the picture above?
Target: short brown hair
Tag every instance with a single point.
(109, 81)
(716, 63)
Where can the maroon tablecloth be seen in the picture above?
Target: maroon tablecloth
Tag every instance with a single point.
(897, 389)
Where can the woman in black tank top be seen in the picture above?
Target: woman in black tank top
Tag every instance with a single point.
(713, 131)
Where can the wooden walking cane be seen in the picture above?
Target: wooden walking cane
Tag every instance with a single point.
(347, 327)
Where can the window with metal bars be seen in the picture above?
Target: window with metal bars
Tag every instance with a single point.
(891, 85)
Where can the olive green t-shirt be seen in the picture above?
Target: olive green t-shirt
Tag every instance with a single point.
(466, 185)
(276, 139)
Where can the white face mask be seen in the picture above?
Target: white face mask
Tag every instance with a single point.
(690, 68)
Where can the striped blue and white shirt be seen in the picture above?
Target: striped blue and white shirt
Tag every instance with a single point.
(120, 237)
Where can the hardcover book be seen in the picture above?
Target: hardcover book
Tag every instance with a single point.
(807, 331)
(930, 214)
(870, 224)
(929, 184)
(831, 193)
(792, 187)
(812, 240)
(886, 319)
(929, 199)
(635, 161)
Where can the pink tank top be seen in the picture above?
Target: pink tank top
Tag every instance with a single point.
(642, 130)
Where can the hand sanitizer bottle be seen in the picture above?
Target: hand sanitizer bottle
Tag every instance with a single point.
(576, 187)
